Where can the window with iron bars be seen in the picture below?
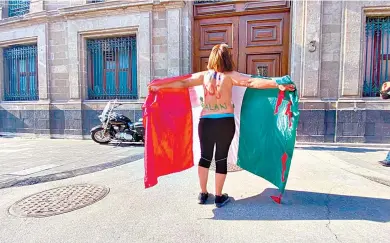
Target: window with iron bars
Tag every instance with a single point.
(95, 1)
(112, 68)
(377, 55)
(210, 1)
(18, 7)
(20, 73)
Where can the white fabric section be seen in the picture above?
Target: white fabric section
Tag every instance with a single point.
(195, 94)
(237, 97)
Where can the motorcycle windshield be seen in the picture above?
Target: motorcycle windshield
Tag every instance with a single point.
(104, 113)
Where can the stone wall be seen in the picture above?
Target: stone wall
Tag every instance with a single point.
(330, 78)
(160, 44)
(58, 61)
(60, 29)
(330, 49)
(326, 63)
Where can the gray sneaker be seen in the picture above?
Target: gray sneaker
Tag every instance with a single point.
(220, 201)
(203, 197)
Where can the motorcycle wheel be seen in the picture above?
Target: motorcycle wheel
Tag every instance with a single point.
(99, 137)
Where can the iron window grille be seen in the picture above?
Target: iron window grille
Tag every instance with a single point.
(377, 55)
(18, 7)
(112, 68)
(95, 1)
(210, 1)
(20, 73)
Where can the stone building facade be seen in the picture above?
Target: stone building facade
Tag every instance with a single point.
(60, 30)
(330, 51)
(336, 105)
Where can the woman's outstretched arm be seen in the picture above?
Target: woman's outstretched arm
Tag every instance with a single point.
(194, 80)
(257, 83)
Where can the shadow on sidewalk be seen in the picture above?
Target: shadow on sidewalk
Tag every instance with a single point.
(342, 149)
(301, 205)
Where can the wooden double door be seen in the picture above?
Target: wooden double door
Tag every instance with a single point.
(259, 43)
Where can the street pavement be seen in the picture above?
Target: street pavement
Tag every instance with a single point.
(334, 194)
(31, 161)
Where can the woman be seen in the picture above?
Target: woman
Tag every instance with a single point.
(385, 94)
(217, 126)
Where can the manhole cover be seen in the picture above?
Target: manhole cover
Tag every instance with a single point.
(230, 167)
(58, 200)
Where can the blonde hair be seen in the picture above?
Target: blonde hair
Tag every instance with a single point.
(220, 59)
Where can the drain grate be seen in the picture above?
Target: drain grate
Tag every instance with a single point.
(58, 200)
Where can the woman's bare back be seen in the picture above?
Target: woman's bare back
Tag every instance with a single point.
(217, 98)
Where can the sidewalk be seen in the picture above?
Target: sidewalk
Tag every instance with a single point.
(357, 160)
(32, 161)
(323, 202)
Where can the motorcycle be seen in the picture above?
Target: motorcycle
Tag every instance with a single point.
(116, 126)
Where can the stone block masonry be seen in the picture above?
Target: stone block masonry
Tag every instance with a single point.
(160, 44)
(25, 121)
(344, 126)
(58, 61)
(64, 109)
(329, 78)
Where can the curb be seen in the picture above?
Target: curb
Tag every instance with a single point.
(352, 145)
(70, 173)
(297, 144)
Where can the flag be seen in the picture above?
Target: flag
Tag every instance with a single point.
(167, 119)
(266, 122)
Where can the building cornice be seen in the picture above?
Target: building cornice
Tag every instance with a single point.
(104, 7)
(88, 11)
(24, 20)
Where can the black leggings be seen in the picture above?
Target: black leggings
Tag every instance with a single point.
(219, 132)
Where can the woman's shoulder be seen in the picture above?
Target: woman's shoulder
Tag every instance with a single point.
(232, 75)
(236, 74)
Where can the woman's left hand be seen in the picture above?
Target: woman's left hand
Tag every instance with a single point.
(288, 87)
(153, 88)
